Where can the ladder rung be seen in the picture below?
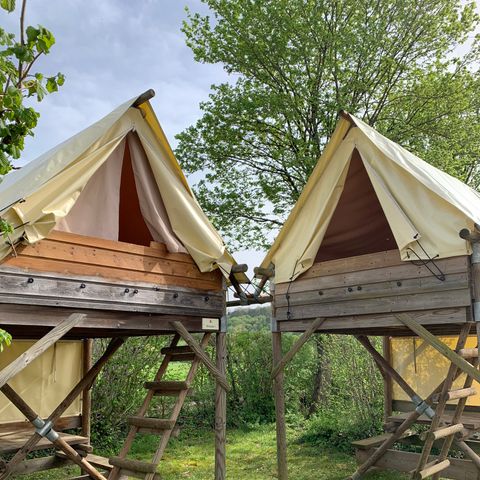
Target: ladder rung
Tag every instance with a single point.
(446, 431)
(183, 357)
(151, 424)
(468, 352)
(133, 465)
(176, 350)
(166, 387)
(455, 395)
(431, 469)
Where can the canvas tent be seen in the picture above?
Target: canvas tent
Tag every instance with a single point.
(380, 243)
(59, 189)
(109, 242)
(409, 192)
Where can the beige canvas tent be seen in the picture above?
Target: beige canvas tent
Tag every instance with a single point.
(109, 241)
(380, 243)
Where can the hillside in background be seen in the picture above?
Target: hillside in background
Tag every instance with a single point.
(252, 319)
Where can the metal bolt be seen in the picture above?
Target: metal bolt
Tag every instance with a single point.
(135, 291)
(320, 292)
(350, 289)
(30, 280)
(359, 287)
(207, 299)
(82, 285)
(127, 290)
(399, 284)
(175, 295)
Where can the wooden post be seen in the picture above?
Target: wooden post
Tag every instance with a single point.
(387, 382)
(87, 393)
(279, 394)
(220, 409)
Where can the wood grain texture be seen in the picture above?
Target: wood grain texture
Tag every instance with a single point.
(19, 287)
(86, 256)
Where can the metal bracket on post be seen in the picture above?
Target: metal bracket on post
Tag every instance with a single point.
(45, 429)
(421, 407)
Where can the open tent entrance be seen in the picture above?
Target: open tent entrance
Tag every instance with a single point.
(122, 202)
(358, 225)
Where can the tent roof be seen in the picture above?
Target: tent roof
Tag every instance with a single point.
(425, 207)
(40, 194)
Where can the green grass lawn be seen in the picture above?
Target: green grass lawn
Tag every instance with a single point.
(250, 456)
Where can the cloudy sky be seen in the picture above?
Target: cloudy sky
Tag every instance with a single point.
(110, 51)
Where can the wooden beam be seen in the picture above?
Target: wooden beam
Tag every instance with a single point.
(56, 440)
(39, 347)
(87, 393)
(220, 410)
(446, 351)
(200, 352)
(279, 367)
(387, 381)
(279, 394)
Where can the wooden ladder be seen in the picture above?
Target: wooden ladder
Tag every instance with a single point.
(438, 429)
(141, 423)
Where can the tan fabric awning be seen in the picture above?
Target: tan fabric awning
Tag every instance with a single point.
(420, 202)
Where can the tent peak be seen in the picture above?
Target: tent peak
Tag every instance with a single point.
(144, 97)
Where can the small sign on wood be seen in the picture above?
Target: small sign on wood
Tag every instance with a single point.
(210, 324)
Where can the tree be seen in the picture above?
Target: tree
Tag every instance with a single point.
(17, 84)
(293, 65)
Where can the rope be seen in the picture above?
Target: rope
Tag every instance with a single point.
(289, 313)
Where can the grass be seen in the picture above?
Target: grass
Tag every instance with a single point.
(250, 456)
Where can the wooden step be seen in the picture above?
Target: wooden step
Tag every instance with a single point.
(151, 425)
(136, 466)
(445, 432)
(431, 469)
(167, 387)
(176, 350)
(183, 357)
(468, 352)
(455, 395)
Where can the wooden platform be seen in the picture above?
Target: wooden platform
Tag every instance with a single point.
(11, 442)
(363, 295)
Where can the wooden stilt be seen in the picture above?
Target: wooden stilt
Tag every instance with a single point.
(279, 395)
(387, 383)
(87, 394)
(39, 347)
(84, 383)
(220, 410)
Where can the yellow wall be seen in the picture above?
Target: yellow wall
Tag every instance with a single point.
(46, 381)
(424, 368)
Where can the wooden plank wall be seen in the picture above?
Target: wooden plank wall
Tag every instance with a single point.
(372, 285)
(77, 255)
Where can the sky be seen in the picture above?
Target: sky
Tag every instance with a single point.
(113, 50)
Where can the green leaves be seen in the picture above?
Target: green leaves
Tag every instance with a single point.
(17, 82)
(294, 64)
(8, 5)
(5, 339)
